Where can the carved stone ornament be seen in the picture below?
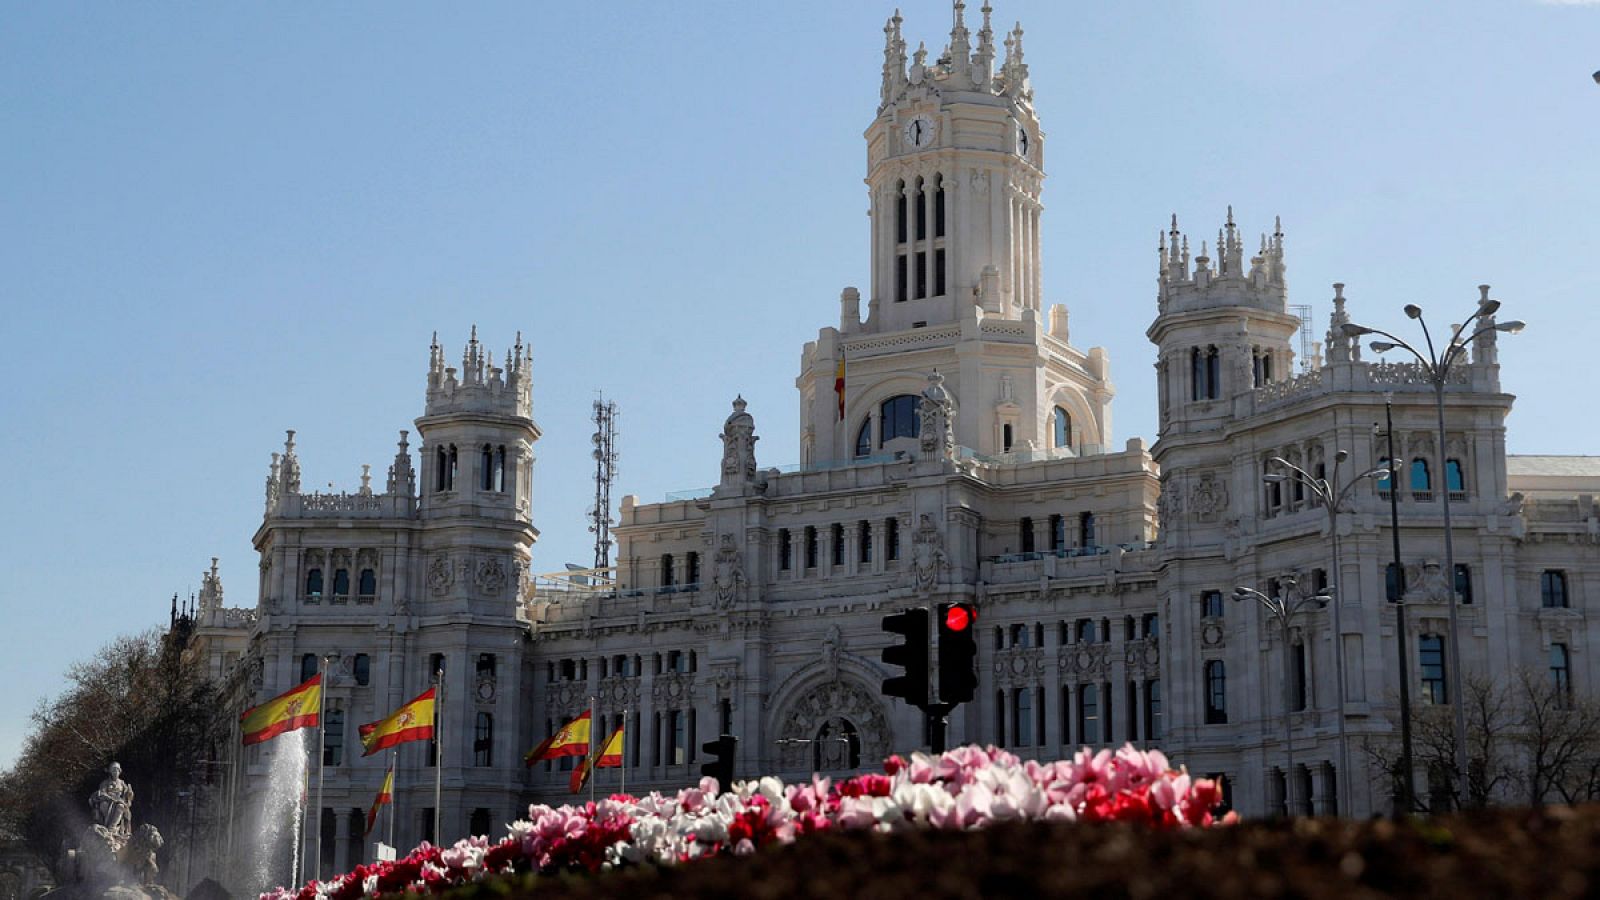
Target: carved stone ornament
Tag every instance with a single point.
(727, 575)
(672, 688)
(739, 444)
(1208, 498)
(1086, 659)
(485, 689)
(828, 703)
(832, 646)
(980, 182)
(440, 574)
(619, 692)
(936, 413)
(927, 556)
(491, 577)
(1212, 635)
(1021, 667)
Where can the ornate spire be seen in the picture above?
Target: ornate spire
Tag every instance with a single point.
(983, 62)
(894, 59)
(289, 468)
(1340, 346)
(960, 42)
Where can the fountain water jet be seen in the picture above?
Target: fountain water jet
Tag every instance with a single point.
(275, 850)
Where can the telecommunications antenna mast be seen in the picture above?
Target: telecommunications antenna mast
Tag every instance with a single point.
(605, 470)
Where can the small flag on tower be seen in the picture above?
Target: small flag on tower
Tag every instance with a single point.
(838, 385)
(295, 708)
(412, 722)
(609, 756)
(385, 797)
(571, 739)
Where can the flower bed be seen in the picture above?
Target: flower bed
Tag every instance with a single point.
(966, 788)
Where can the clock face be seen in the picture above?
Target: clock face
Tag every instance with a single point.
(1023, 141)
(919, 132)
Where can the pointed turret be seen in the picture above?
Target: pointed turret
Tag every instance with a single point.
(960, 52)
(289, 468)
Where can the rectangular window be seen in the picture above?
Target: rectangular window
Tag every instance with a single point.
(308, 666)
(1025, 534)
(922, 274)
(1464, 583)
(938, 271)
(922, 213)
(1211, 604)
(1105, 695)
(1430, 655)
(1152, 710)
(891, 538)
(864, 539)
(1560, 673)
(1089, 714)
(1066, 714)
(836, 543)
(678, 726)
(938, 212)
(1058, 532)
(483, 740)
(999, 718)
(333, 738)
(784, 548)
(1394, 582)
(1022, 717)
(900, 267)
(811, 547)
(363, 669)
(1216, 679)
(900, 216)
(1086, 537)
(1131, 704)
(691, 568)
(1553, 589)
(1298, 672)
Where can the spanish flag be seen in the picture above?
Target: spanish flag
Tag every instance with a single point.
(609, 756)
(385, 797)
(298, 707)
(571, 739)
(838, 385)
(412, 722)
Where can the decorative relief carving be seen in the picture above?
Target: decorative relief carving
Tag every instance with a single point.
(440, 573)
(825, 704)
(927, 556)
(1212, 635)
(1208, 497)
(619, 692)
(671, 689)
(727, 574)
(1020, 667)
(491, 577)
(1086, 659)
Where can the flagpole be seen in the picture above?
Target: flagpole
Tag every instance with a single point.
(322, 750)
(623, 769)
(594, 719)
(438, 759)
(394, 766)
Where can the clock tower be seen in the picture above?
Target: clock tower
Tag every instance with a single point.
(955, 165)
(955, 162)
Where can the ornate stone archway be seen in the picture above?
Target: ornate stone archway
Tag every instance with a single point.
(823, 709)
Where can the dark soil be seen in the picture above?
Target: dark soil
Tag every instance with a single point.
(1551, 854)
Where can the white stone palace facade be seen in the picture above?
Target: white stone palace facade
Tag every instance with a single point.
(969, 458)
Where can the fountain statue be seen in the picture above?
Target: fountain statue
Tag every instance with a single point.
(113, 860)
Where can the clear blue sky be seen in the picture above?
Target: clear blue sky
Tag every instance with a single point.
(218, 222)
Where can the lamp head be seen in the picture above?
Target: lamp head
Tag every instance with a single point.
(1413, 311)
(1274, 478)
(1341, 455)
(1239, 594)
(1351, 329)
(1488, 307)
(1382, 346)
(1515, 326)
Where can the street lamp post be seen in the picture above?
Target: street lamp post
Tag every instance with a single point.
(1408, 785)
(1283, 611)
(1331, 495)
(1435, 367)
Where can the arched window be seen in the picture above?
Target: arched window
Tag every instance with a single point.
(363, 669)
(1421, 480)
(441, 472)
(1216, 692)
(1454, 477)
(479, 826)
(668, 575)
(1383, 483)
(333, 737)
(499, 484)
(1062, 420)
(897, 418)
(483, 740)
(486, 469)
(341, 582)
(1553, 589)
(1394, 582)
(864, 439)
(1213, 374)
(1086, 537)
(1089, 714)
(314, 584)
(900, 213)
(308, 666)
(921, 214)
(1005, 438)
(455, 466)
(1197, 375)
(938, 208)
(367, 584)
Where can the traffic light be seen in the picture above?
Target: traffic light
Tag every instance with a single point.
(720, 765)
(958, 652)
(911, 656)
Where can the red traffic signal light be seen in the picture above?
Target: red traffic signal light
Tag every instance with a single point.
(959, 618)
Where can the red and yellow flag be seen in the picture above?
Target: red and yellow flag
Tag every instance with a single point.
(412, 722)
(608, 756)
(295, 708)
(571, 739)
(385, 797)
(838, 385)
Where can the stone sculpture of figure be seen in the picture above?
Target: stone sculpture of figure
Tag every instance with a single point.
(112, 803)
(927, 556)
(727, 575)
(739, 445)
(937, 417)
(832, 647)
